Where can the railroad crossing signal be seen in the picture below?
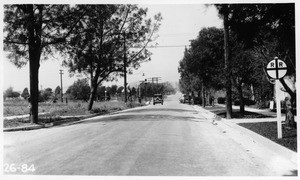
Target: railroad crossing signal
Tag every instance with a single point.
(276, 68)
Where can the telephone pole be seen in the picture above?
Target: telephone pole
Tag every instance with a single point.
(154, 79)
(61, 86)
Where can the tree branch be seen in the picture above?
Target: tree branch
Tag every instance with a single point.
(15, 42)
(62, 39)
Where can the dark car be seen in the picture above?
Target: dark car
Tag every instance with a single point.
(186, 99)
(158, 98)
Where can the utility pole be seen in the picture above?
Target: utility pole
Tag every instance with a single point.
(125, 65)
(153, 79)
(61, 85)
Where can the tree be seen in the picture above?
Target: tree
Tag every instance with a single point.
(101, 92)
(10, 93)
(120, 90)
(269, 30)
(79, 90)
(242, 70)
(101, 45)
(32, 32)
(201, 66)
(224, 11)
(113, 89)
(45, 94)
(25, 94)
(57, 91)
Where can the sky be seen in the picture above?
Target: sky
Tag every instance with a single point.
(181, 23)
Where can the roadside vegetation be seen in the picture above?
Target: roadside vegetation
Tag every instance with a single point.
(269, 130)
(233, 59)
(52, 112)
(266, 129)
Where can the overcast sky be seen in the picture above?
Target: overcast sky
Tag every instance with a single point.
(180, 24)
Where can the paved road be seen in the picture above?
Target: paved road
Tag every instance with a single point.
(171, 139)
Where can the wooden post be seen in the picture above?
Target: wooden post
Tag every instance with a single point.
(278, 109)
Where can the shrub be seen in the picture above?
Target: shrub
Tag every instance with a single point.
(236, 102)
(221, 100)
(198, 100)
(247, 102)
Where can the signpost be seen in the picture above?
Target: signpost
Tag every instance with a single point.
(277, 69)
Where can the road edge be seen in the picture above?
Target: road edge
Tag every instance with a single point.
(269, 144)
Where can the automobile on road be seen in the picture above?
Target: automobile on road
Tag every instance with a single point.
(158, 98)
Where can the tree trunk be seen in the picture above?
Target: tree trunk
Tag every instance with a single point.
(34, 61)
(288, 90)
(92, 98)
(93, 91)
(34, 90)
(241, 97)
(203, 96)
(289, 118)
(227, 67)
(290, 105)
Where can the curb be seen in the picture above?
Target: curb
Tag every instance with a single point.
(26, 128)
(267, 143)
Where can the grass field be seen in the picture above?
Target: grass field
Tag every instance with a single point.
(21, 107)
(54, 111)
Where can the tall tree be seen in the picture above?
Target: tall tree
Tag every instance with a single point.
(97, 46)
(201, 66)
(25, 94)
(32, 32)
(113, 89)
(224, 11)
(57, 91)
(269, 30)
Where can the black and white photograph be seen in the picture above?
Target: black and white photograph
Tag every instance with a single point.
(139, 89)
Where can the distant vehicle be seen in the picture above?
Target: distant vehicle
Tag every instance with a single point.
(158, 98)
(185, 99)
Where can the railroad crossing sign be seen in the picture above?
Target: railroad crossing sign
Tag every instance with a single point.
(276, 68)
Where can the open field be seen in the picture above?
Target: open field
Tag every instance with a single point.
(22, 107)
(55, 111)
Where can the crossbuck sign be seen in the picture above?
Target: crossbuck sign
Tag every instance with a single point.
(277, 69)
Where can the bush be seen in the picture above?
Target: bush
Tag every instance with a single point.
(247, 102)
(98, 110)
(221, 100)
(198, 100)
(236, 102)
(263, 104)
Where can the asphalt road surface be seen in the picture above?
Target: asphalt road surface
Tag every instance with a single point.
(171, 139)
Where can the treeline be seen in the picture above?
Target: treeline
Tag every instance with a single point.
(44, 94)
(80, 90)
(234, 59)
